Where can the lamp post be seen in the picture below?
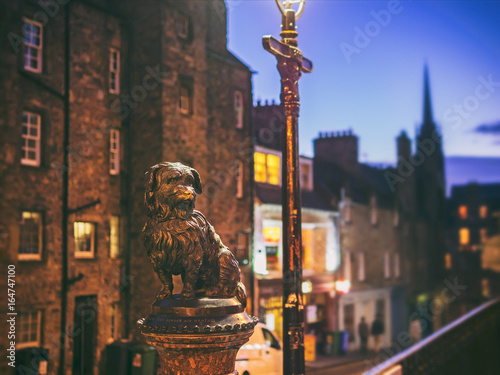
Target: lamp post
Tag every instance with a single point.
(291, 64)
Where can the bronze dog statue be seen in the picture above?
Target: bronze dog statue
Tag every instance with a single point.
(180, 241)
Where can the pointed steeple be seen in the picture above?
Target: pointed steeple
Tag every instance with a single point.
(427, 98)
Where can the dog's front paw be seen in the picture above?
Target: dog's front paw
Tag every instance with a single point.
(186, 294)
(214, 291)
(164, 293)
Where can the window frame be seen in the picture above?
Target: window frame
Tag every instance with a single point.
(113, 254)
(267, 152)
(116, 80)
(303, 162)
(27, 344)
(31, 257)
(39, 48)
(238, 175)
(361, 266)
(114, 152)
(188, 89)
(27, 137)
(239, 108)
(93, 238)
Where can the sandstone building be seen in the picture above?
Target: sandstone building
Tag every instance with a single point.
(148, 81)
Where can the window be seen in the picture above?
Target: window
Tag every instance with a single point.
(272, 258)
(182, 26)
(239, 179)
(114, 152)
(242, 242)
(29, 323)
(395, 218)
(347, 211)
(113, 312)
(397, 265)
(84, 233)
(483, 235)
(361, 266)
(387, 265)
(238, 109)
(349, 323)
(267, 168)
(114, 236)
(462, 212)
(306, 180)
(270, 340)
(347, 265)
(114, 71)
(32, 46)
(464, 236)
(185, 96)
(373, 210)
(30, 244)
(31, 129)
(307, 249)
(483, 211)
(447, 261)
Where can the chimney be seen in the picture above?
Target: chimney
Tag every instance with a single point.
(340, 148)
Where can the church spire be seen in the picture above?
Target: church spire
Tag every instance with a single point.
(427, 98)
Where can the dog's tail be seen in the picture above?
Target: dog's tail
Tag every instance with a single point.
(241, 294)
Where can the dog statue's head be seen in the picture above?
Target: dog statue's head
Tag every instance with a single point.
(171, 190)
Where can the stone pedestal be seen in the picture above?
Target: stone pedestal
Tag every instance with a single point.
(199, 336)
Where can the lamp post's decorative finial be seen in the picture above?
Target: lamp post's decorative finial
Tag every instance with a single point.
(287, 4)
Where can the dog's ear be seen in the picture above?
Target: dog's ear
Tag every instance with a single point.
(151, 186)
(197, 181)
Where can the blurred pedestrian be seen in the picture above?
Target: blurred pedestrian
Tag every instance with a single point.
(415, 330)
(377, 331)
(364, 332)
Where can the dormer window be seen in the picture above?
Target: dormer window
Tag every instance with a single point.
(306, 177)
(267, 167)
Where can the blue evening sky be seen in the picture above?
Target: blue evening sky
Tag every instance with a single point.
(376, 87)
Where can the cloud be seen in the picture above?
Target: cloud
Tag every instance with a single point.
(488, 128)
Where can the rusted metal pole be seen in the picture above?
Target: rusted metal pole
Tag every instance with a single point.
(290, 65)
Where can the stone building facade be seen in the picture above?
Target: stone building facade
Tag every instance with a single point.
(148, 82)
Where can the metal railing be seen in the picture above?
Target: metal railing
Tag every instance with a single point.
(469, 345)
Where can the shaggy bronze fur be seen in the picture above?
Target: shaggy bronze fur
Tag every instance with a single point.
(180, 241)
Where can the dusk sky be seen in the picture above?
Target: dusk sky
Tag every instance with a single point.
(373, 84)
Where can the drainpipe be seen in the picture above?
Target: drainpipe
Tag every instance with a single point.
(65, 171)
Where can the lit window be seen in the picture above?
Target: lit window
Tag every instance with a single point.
(185, 99)
(462, 212)
(464, 236)
(447, 261)
(238, 109)
(114, 71)
(32, 46)
(397, 265)
(373, 210)
(485, 288)
(267, 168)
(84, 233)
(31, 129)
(271, 234)
(182, 26)
(114, 236)
(387, 265)
(483, 235)
(30, 244)
(272, 258)
(483, 212)
(239, 179)
(114, 152)
(307, 249)
(347, 265)
(361, 266)
(30, 324)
